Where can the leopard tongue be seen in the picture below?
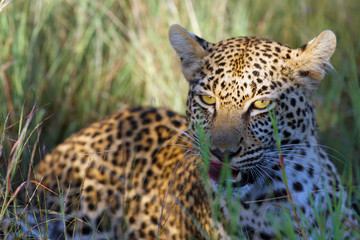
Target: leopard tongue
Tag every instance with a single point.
(215, 170)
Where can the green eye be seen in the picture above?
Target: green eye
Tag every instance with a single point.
(261, 104)
(208, 99)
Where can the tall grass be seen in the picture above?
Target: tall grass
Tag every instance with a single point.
(80, 60)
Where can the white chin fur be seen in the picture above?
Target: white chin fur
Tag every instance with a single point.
(238, 193)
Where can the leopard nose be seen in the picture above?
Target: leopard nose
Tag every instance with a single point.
(223, 155)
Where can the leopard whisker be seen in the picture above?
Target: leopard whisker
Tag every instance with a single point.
(262, 169)
(304, 146)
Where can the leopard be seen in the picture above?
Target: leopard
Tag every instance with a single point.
(245, 155)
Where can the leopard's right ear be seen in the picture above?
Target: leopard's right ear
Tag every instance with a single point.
(190, 48)
(313, 59)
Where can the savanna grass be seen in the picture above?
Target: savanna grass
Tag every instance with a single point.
(80, 60)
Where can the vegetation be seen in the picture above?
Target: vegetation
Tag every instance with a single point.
(64, 64)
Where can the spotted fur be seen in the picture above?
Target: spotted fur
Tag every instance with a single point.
(135, 175)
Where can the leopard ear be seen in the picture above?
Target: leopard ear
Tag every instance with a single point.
(313, 59)
(190, 48)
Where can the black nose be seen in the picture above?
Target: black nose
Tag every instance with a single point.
(223, 155)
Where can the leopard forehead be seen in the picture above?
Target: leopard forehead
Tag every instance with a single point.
(241, 68)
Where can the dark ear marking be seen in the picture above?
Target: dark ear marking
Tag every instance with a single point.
(303, 47)
(203, 43)
(303, 73)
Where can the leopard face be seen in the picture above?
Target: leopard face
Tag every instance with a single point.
(233, 86)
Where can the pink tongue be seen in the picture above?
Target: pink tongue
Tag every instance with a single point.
(214, 170)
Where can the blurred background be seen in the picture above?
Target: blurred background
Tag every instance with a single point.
(77, 61)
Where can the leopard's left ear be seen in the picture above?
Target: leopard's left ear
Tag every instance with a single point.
(190, 48)
(313, 59)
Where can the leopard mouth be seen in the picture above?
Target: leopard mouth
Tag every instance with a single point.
(239, 178)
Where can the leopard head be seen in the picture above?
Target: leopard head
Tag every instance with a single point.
(233, 84)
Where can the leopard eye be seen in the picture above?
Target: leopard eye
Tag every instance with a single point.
(261, 104)
(208, 99)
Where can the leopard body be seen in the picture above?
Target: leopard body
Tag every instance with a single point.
(139, 174)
